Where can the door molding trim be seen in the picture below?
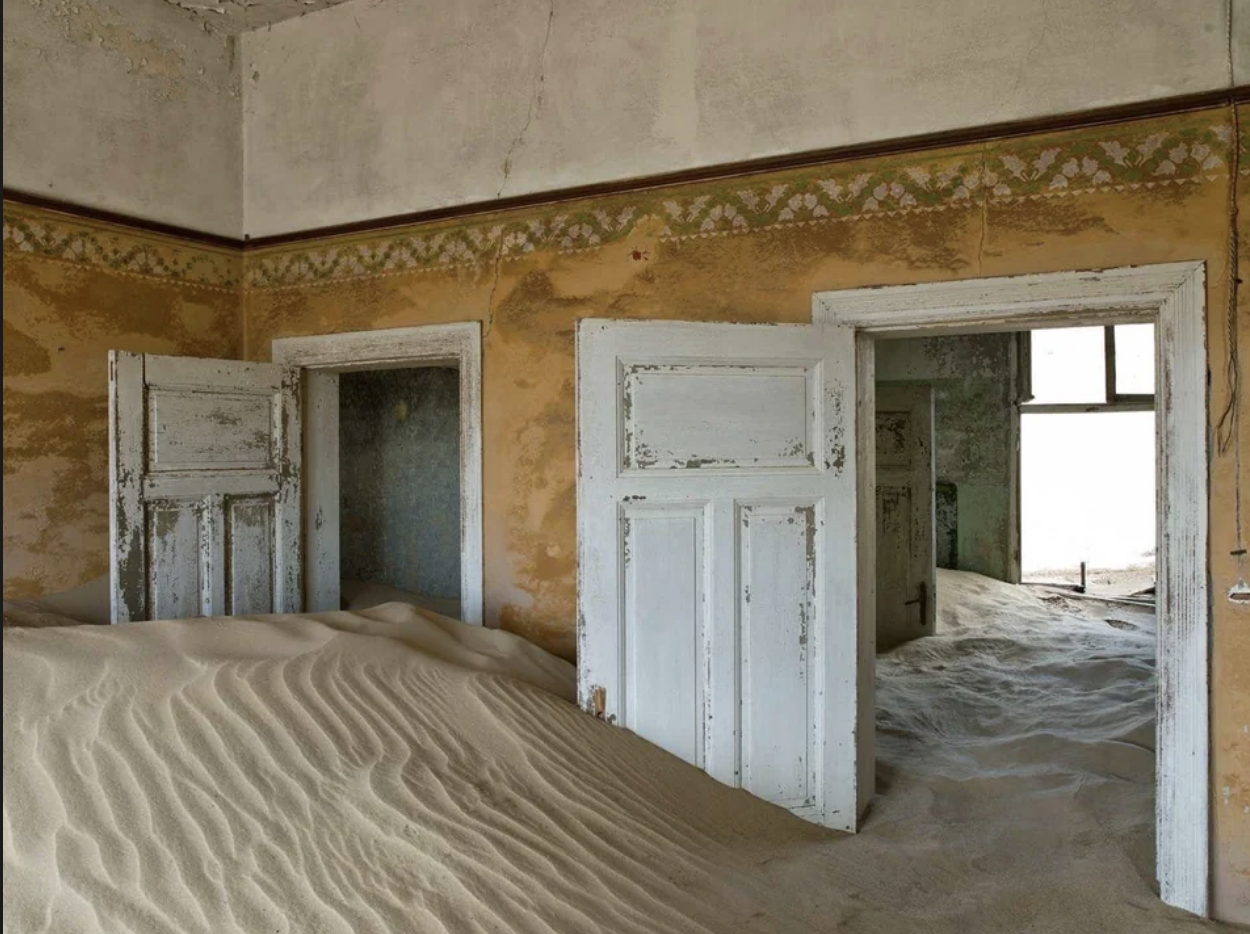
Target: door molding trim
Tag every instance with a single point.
(1173, 295)
(321, 358)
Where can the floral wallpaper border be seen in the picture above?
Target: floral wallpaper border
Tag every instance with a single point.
(50, 235)
(1174, 151)
(1187, 150)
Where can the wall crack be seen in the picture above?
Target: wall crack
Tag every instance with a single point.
(535, 102)
(985, 208)
(494, 286)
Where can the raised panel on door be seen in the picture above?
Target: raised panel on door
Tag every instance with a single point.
(175, 572)
(198, 429)
(249, 555)
(664, 598)
(778, 563)
(204, 482)
(683, 416)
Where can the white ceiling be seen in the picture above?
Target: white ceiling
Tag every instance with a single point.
(237, 16)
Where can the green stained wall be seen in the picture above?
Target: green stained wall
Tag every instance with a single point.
(975, 439)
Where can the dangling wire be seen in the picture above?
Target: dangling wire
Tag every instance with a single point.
(1228, 428)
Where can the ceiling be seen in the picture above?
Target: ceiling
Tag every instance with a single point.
(236, 16)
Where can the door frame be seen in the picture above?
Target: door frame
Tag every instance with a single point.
(321, 358)
(1173, 296)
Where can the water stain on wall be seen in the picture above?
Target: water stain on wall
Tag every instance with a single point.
(22, 354)
(748, 250)
(60, 321)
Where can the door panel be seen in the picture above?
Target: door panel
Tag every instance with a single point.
(717, 551)
(696, 416)
(906, 546)
(250, 553)
(204, 482)
(177, 439)
(664, 569)
(175, 530)
(778, 602)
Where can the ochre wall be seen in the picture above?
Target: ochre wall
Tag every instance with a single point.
(72, 292)
(749, 249)
(755, 249)
(1230, 651)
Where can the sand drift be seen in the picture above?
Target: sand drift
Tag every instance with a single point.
(392, 771)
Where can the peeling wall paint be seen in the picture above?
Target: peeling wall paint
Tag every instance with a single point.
(133, 108)
(754, 250)
(1146, 192)
(1230, 646)
(72, 292)
(974, 438)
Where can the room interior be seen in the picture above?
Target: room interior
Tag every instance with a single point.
(404, 233)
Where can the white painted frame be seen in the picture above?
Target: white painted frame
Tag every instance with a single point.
(322, 358)
(1173, 295)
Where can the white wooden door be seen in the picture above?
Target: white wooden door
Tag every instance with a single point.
(716, 547)
(204, 482)
(906, 547)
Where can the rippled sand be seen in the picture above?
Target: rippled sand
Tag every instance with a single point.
(393, 771)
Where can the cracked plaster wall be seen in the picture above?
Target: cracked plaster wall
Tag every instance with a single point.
(369, 109)
(646, 267)
(129, 106)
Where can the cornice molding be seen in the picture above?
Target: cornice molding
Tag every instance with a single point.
(1177, 141)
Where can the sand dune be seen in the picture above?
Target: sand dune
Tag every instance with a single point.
(389, 770)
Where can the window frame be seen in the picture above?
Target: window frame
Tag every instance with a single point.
(1113, 401)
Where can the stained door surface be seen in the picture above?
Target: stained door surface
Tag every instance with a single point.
(204, 482)
(906, 547)
(717, 550)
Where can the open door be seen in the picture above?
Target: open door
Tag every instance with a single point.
(906, 545)
(717, 555)
(204, 484)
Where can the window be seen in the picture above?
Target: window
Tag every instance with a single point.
(1089, 369)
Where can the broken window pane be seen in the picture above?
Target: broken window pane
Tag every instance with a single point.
(1135, 359)
(1069, 365)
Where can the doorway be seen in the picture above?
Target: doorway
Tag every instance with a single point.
(1087, 451)
(392, 466)
(399, 487)
(1172, 297)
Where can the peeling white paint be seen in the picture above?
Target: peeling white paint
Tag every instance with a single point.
(237, 16)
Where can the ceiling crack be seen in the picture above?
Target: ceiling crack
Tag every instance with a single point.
(535, 101)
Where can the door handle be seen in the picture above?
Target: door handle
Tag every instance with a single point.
(923, 601)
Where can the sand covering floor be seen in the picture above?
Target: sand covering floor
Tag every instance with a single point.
(389, 770)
